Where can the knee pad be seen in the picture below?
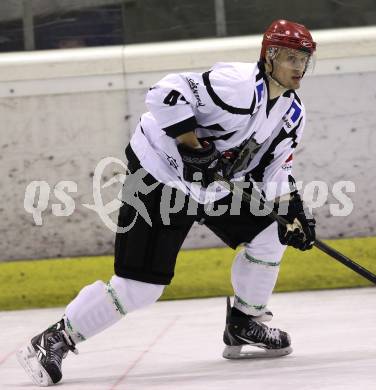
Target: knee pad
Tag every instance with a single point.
(133, 294)
(266, 246)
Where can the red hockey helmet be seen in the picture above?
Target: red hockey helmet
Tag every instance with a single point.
(287, 34)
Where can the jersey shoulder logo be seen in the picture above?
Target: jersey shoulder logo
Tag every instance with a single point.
(292, 116)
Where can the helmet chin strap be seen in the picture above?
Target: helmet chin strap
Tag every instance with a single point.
(274, 80)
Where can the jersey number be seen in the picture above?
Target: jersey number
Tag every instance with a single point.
(172, 98)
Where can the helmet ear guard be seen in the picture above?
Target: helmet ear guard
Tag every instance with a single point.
(272, 52)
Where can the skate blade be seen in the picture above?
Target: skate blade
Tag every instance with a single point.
(253, 352)
(27, 357)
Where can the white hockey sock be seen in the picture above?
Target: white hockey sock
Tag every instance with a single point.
(255, 271)
(100, 305)
(253, 281)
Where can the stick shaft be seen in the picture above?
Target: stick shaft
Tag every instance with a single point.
(345, 261)
(318, 243)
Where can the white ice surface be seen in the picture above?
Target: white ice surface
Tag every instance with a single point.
(178, 345)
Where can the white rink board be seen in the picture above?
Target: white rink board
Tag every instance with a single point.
(64, 110)
(178, 345)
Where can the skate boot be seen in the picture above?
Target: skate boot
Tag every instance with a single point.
(266, 317)
(243, 333)
(43, 356)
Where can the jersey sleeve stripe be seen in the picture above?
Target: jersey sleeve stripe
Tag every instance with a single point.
(220, 103)
(182, 127)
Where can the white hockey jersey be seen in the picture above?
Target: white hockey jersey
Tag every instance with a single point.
(229, 106)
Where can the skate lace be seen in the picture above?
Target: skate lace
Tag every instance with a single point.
(263, 333)
(59, 346)
(58, 349)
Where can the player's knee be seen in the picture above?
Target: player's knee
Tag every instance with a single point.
(266, 247)
(133, 294)
(271, 256)
(268, 254)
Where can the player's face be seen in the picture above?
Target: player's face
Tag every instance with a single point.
(289, 67)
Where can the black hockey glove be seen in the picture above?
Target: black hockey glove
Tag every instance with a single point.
(200, 164)
(300, 232)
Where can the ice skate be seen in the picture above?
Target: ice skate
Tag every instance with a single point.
(247, 337)
(43, 356)
(266, 317)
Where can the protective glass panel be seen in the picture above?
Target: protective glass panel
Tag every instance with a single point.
(54, 24)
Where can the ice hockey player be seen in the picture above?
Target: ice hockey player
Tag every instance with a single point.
(243, 120)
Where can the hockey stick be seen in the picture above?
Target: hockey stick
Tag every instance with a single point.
(247, 197)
